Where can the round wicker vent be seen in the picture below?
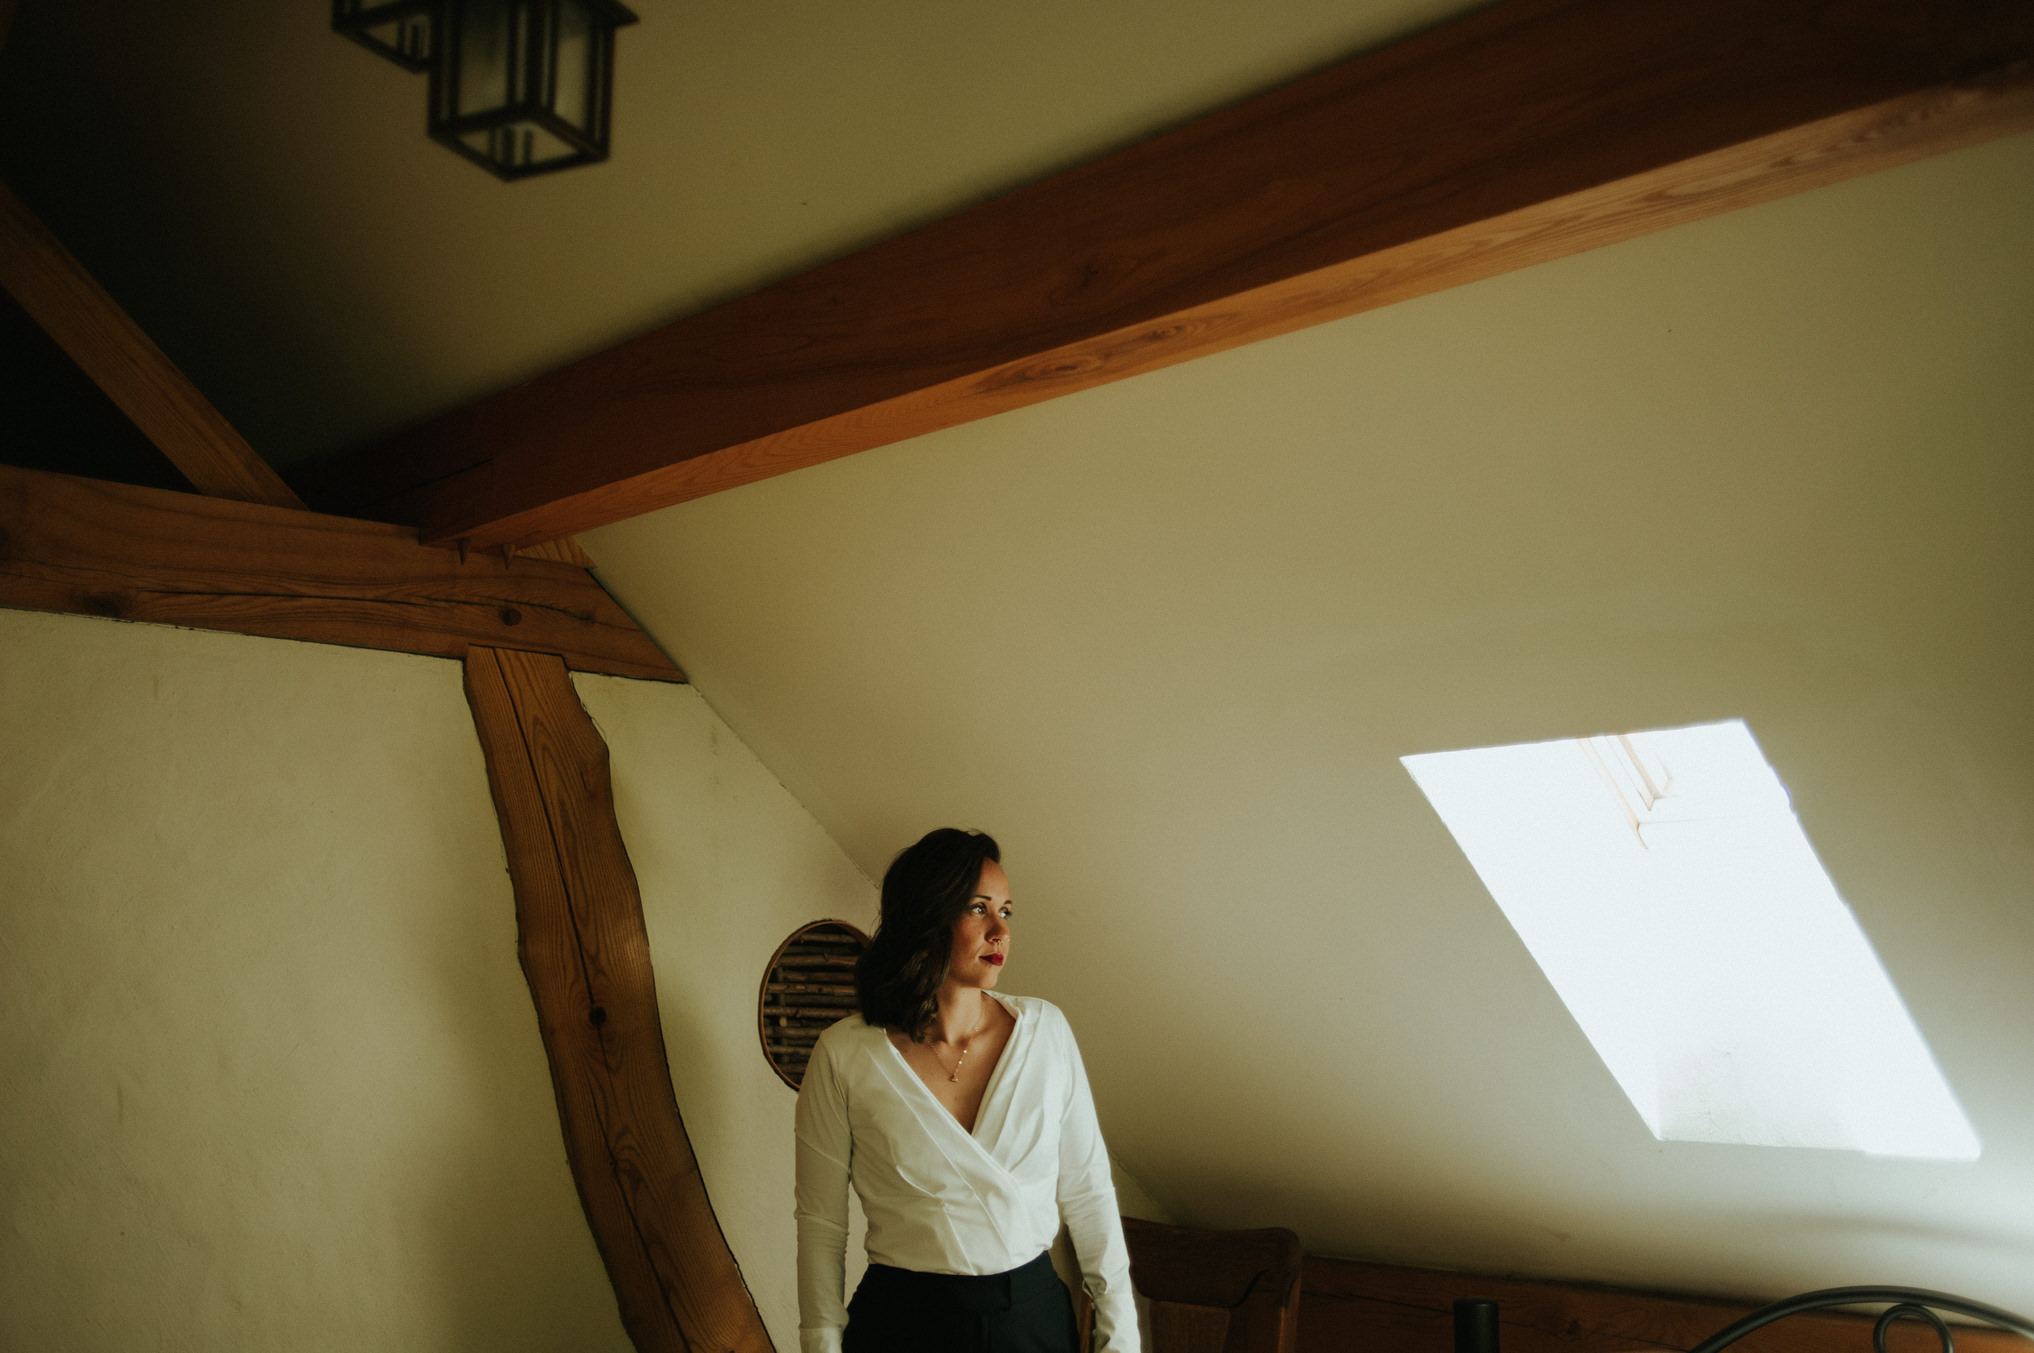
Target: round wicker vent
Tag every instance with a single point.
(809, 984)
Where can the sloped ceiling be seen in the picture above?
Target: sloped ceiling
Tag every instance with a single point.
(1169, 637)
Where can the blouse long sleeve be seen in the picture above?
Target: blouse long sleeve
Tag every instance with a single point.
(1087, 1203)
(943, 1199)
(824, 1151)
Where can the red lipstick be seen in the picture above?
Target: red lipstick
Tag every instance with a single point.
(996, 959)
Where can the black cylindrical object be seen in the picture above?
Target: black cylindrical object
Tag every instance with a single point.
(1475, 1326)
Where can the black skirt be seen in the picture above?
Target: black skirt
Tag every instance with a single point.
(896, 1310)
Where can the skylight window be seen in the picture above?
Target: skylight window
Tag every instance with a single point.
(1665, 887)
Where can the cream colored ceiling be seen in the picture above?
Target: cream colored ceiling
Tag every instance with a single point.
(1168, 638)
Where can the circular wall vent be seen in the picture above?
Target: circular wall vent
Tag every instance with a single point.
(809, 984)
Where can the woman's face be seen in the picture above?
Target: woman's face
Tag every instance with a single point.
(981, 938)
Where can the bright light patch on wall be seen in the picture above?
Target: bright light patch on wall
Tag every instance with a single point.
(1666, 888)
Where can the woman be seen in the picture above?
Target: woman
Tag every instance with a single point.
(963, 1119)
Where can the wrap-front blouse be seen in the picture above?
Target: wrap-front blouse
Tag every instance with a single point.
(941, 1199)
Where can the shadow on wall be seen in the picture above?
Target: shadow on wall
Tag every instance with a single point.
(501, 1193)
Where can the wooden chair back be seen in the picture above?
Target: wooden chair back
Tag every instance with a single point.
(1215, 1291)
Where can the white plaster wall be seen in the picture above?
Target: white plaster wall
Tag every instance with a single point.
(730, 864)
(269, 1075)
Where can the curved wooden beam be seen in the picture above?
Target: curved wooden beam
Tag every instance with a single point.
(586, 954)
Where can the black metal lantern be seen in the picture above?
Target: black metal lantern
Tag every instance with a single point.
(519, 87)
(522, 87)
(400, 30)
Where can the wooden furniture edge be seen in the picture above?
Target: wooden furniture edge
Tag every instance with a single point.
(119, 551)
(585, 951)
(1402, 1309)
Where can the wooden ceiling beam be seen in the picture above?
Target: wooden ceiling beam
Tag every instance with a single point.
(87, 547)
(89, 325)
(1526, 132)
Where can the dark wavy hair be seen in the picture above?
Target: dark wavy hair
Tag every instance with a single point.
(926, 890)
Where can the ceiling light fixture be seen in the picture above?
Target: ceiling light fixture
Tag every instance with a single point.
(520, 87)
(399, 30)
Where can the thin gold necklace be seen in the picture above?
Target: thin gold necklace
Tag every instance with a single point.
(954, 1075)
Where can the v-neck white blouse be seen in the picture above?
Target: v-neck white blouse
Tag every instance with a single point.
(941, 1199)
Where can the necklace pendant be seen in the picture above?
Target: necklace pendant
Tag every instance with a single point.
(955, 1078)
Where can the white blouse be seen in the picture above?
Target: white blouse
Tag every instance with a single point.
(941, 1199)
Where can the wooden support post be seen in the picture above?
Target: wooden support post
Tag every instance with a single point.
(586, 954)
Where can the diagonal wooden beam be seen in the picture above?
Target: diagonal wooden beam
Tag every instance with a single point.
(586, 953)
(92, 548)
(1532, 130)
(92, 329)
(75, 311)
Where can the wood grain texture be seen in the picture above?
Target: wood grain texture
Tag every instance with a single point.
(89, 547)
(586, 954)
(563, 550)
(87, 324)
(1528, 131)
(1252, 1279)
(1349, 1307)
(1177, 1327)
